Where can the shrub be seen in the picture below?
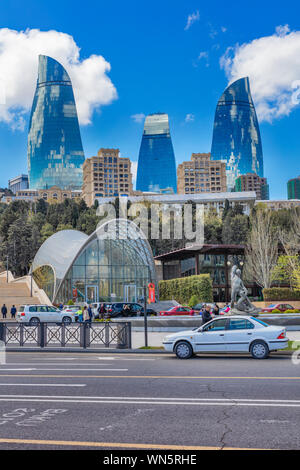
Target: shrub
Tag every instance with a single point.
(193, 301)
(276, 311)
(281, 293)
(70, 302)
(292, 311)
(183, 288)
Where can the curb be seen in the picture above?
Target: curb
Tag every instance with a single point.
(129, 351)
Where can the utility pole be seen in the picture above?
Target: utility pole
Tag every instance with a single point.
(7, 269)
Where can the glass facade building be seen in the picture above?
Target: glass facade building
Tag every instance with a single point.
(236, 136)
(54, 151)
(156, 165)
(293, 188)
(115, 263)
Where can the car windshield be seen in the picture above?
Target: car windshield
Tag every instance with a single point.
(272, 306)
(259, 321)
(170, 309)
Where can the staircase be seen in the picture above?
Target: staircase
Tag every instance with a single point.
(15, 293)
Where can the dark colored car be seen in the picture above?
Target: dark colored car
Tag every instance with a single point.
(280, 307)
(126, 309)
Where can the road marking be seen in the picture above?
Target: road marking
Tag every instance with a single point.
(185, 377)
(121, 445)
(58, 369)
(49, 364)
(150, 401)
(42, 385)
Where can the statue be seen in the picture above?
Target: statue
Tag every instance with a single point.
(240, 303)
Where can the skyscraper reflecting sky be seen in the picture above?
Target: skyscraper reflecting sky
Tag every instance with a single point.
(236, 135)
(55, 152)
(156, 165)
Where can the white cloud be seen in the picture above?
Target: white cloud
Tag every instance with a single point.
(19, 52)
(192, 18)
(138, 117)
(189, 117)
(273, 65)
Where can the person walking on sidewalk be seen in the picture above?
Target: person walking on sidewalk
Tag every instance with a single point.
(4, 311)
(90, 312)
(206, 315)
(13, 312)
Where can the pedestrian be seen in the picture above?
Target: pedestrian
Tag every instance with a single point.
(90, 312)
(101, 311)
(206, 315)
(4, 311)
(13, 312)
(85, 315)
(216, 310)
(79, 314)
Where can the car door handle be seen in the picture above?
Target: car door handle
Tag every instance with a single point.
(222, 334)
(249, 333)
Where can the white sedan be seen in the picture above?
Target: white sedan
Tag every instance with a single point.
(226, 335)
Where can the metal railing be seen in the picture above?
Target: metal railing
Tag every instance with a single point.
(73, 335)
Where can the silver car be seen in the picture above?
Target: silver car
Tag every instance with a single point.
(35, 314)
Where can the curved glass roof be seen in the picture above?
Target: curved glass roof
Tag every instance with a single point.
(59, 250)
(63, 249)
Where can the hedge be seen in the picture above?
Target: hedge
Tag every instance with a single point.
(281, 293)
(183, 288)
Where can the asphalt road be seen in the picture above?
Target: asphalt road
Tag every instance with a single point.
(128, 401)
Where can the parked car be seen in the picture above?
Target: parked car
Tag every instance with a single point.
(122, 309)
(281, 307)
(178, 310)
(35, 314)
(71, 310)
(201, 305)
(226, 335)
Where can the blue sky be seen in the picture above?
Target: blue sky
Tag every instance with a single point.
(161, 61)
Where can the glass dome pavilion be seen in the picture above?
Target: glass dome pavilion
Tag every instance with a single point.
(114, 263)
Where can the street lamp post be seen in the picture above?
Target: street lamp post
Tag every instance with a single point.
(145, 317)
(7, 269)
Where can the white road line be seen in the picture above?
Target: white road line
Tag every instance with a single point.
(182, 403)
(58, 369)
(48, 364)
(43, 385)
(156, 399)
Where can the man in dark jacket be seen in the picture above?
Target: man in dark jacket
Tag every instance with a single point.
(13, 312)
(4, 311)
(206, 315)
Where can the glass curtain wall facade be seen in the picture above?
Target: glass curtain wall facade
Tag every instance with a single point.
(96, 268)
(156, 165)
(55, 153)
(236, 135)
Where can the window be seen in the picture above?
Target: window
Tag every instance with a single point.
(31, 309)
(216, 325)
(240, 324)
(259, 321)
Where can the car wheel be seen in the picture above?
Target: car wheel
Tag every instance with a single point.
(34, 321)
(66, 320)
(259, 350)
(183, 350)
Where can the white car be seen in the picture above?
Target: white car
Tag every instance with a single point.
(35, 314)
(226, 335)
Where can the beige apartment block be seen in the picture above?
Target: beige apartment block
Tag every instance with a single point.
(253, 182)
(106, 175)
(201, 175)
(51, 195)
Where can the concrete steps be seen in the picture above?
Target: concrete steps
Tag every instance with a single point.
(15, 293)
